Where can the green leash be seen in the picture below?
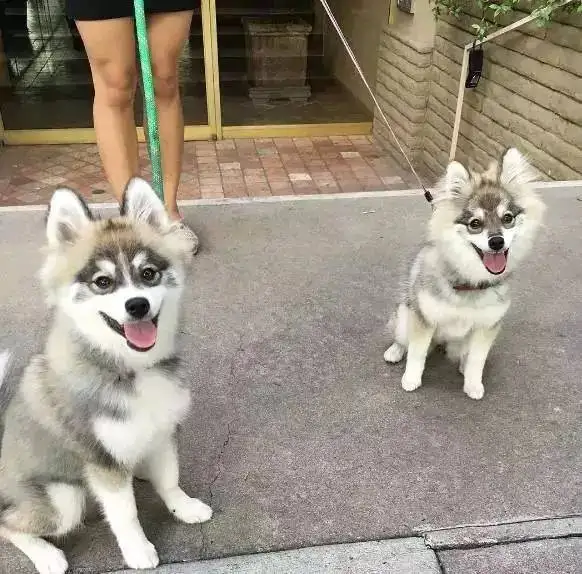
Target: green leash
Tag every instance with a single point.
(150, 110)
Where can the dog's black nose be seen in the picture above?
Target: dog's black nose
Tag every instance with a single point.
(496, 242)
(137, 307)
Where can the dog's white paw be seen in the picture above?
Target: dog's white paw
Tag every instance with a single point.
(474, 390)
(410, 383)
(186, 509)
(140, 554)
(394, 353)
(193, 511)
(50, 561)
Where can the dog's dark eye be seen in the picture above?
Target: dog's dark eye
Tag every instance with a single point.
(475, 224)
(103, 282)
(507, 219)
(149, 274)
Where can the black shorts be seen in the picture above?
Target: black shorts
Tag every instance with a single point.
(109, 9)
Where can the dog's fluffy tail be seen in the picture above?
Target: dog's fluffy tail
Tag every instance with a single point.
(5, 362)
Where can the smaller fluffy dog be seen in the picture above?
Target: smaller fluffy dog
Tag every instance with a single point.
(102, 402)
(482, 227)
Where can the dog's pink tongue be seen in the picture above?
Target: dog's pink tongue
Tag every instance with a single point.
(141, 334)
(495, 262)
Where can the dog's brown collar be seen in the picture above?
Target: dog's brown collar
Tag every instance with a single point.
(467, 287)
(479, 287)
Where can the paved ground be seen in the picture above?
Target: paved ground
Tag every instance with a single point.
(226, 168)
(539, 557)
(404, 556)
(300, 435)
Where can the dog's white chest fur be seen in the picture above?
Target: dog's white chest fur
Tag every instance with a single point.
(456, 321)
(157, 405)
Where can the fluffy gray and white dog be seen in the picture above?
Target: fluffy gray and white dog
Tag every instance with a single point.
(102, 402)
(482, 226)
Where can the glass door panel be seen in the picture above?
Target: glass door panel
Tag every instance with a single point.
(45, 80)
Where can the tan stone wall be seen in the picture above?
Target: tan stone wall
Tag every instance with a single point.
(530, 96)
(403, 79)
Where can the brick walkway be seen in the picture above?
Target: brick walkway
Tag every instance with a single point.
(228, 168)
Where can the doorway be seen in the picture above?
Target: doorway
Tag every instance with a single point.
(250, 69)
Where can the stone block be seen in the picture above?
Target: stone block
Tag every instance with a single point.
(398, 99)
(546, 163)
(559, 103)
(422, 60)
(439, 156)
(544, 74)
(467, 147)
(455, 35)
(494, 137)
(451, 84)
(561, 57)
(406, 66)
(422, 45)
(538, 115)
(541, 138)
(442, 62)
(408, 118)
(471, 99)
(399, 83)
(407, 137)
(467, 129)
(442, 110)
(564, 35)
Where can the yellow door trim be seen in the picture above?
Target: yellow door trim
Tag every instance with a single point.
(216, 71)
(391, 12)
(191, 133)
(85, 136)
(214, 129)
(3, 74)
(298, 130)
(211, 72)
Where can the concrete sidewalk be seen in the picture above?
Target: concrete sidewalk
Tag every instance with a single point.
(404, 556)
(400, 556)
(300, 434)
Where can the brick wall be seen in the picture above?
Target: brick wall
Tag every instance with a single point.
(530, 96)
(402, 89)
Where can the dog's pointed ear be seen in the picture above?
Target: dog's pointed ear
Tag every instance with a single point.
(141, 204)
(456, 177)
(68, 215)
(514, 169)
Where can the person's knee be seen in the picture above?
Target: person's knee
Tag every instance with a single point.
(166, 82)
(117, 85)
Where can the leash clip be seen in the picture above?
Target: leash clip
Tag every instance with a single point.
(427, 194)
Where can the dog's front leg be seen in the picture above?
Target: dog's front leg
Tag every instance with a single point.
(114, 491)
(161, 469)
(480, 343)
(419, 338)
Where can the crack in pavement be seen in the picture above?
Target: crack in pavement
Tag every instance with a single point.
(427, 530)
(210, 488)
(448, 540)
(491, 543)
(439, 562)
(502, 533)
(225, 443)
(219, 462)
